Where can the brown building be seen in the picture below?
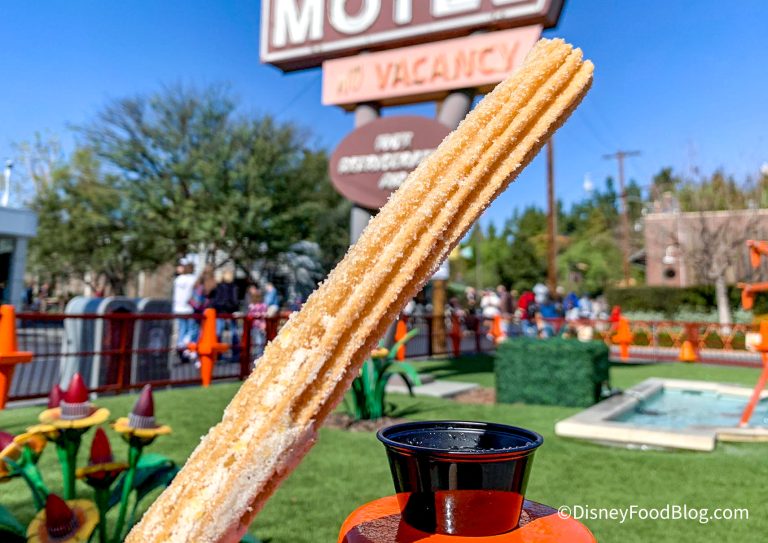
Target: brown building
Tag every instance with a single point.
(692, 248)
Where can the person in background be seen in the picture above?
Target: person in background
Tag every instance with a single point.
(224, 297)
(548, 309)
(541, 293)
(471, 317)
(257, 310)
(542, 328)
(43, 293)
(200, 301)
(28, 297)
(272, 299)
(471, 295)
(571, 301)
(506, 307)
(600, 308)
(225, 300)
(201, 293)
(454, 308)
(505, 300)
(526, 306)
(524, 303)
(186, 327)
(571, 307)
(559, 300)
(490, 304)
(585, 307)
(615, 315)
(513, 323)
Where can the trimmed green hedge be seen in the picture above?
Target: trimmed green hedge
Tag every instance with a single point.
(551, 371)
(671, 299)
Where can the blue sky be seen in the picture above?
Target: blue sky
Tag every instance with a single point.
(684, 82)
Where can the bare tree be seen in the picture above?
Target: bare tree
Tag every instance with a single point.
(715, 251)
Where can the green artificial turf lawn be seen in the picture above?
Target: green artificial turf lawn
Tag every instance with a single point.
(347, 469)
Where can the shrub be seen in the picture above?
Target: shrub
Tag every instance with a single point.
(554, 371)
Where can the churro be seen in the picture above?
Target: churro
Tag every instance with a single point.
(272, 421)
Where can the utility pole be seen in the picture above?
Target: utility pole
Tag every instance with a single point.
(551, 219)
(620, 156)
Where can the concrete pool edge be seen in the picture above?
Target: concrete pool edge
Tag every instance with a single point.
(595, 424)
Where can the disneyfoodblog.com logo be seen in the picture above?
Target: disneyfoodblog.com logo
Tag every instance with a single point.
(702, 515)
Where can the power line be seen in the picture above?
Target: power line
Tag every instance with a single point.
(298, 95)
(600, 141)
(619, 156)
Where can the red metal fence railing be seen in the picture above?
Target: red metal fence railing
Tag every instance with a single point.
(117, 352)
(661, 341)
(122, 351)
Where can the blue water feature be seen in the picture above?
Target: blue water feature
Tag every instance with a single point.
(677, 408)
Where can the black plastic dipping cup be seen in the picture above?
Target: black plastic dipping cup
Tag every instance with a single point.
(460, 478)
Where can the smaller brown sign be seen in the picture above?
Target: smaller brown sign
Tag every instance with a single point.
(376, 158)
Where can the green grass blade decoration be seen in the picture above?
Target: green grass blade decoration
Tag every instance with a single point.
(396, 346)
(27, 469)
(369, 388)
(405, 369)
(11, 530)
(151, 470)
(134, 454)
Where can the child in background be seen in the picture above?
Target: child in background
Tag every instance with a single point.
(257, 310)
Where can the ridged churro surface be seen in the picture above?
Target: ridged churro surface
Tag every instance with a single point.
(271, 422)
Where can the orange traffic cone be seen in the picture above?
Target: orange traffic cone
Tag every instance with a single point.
(9, 351)
(496, 331)
(208, 346)
(687, 352)
(623, 338)
(400, 333)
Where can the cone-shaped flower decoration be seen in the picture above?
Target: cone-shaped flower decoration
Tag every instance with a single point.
(143, 414)
(101, 451)
(5, 440)
(140, 423)
(66, 424)
(54, 397)
(72, 521)
(102, 470)
(74, 403)
(11, 448)
(139, 429)
(60, 520)
(73, 412)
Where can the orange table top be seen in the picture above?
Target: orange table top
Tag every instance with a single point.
(379, 522)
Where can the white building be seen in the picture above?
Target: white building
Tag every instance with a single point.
(17, 226)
